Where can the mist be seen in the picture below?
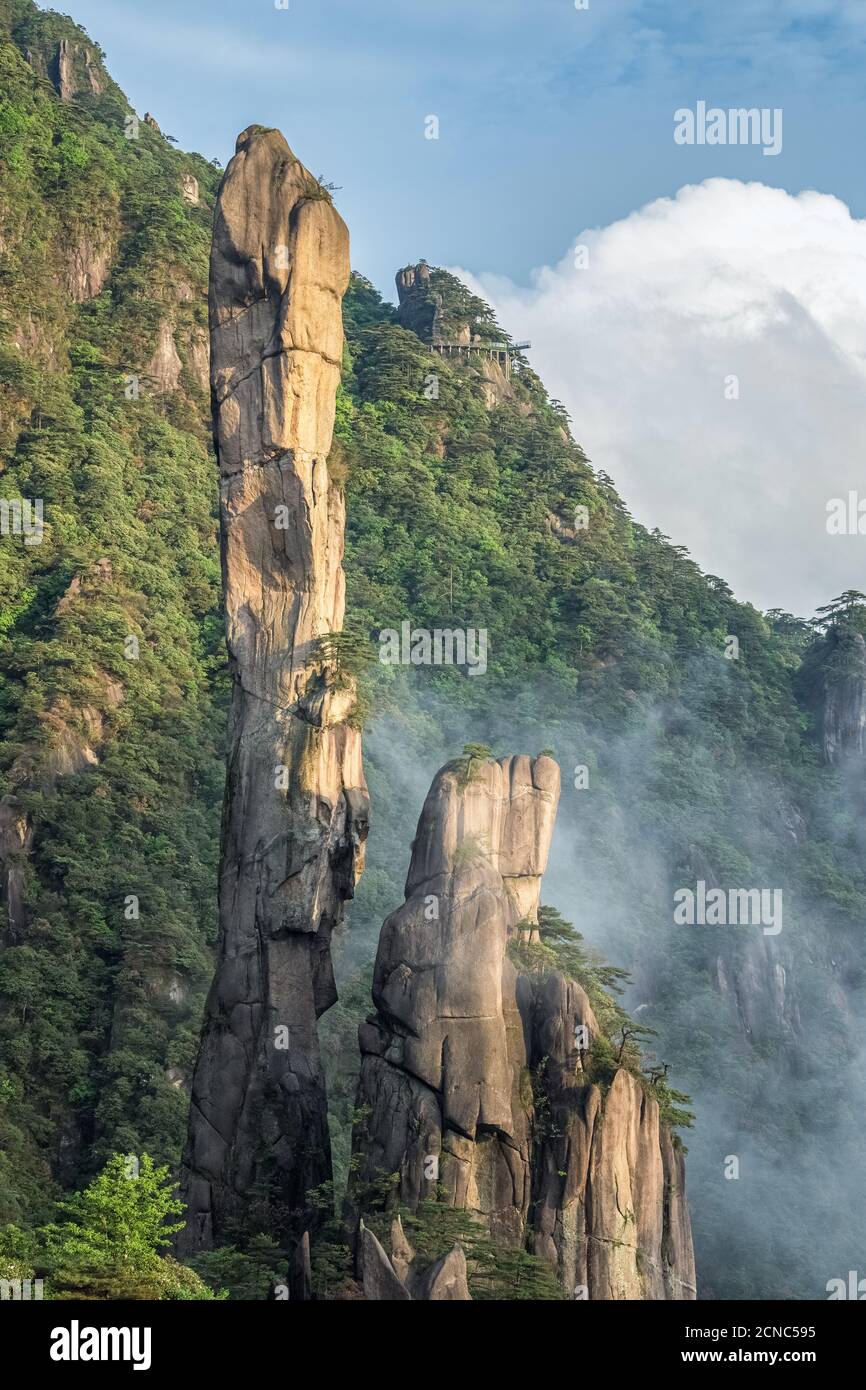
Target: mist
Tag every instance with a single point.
(762, 1031)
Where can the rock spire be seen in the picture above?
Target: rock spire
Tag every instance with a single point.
(295, 813)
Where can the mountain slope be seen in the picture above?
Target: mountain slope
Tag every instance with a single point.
(112, 719)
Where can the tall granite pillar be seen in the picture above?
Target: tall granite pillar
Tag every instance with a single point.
(295, 813)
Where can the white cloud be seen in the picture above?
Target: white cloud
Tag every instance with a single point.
(725, 279)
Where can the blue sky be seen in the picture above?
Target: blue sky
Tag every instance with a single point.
(710, 263)
(552, 119)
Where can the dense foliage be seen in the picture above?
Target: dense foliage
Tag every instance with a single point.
(111, 723)
(109, 1241)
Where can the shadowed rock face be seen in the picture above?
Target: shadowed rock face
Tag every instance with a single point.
(295, 815)
(461, 1049)
(609, 1206)
(419, 309)
(841, 698)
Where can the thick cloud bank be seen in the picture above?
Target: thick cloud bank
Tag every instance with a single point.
(640, 334)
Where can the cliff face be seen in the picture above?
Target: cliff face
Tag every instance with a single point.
(609, 1205)
(839, 696)
(72, 68)
(474, 1077)
(295, 815)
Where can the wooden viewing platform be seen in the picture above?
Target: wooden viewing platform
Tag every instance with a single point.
(500, 352)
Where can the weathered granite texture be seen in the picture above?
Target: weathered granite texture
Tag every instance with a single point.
(475, 1084)
(295, 816)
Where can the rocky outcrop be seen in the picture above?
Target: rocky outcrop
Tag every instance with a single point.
(300, 1271)
(445, 322)
(72, 68)
(758, 982)
(442, 1057)
(446, 1281)
(87, 264)
(64, 74)
(403, 1277)
(16, 838)
(198, 358)
(494, 384)
(295, 816)
(419, 309)
(839, 696)
(609, 1208)
(377, 1275)
(477, 1086)
(753, 972)
(164, 368)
